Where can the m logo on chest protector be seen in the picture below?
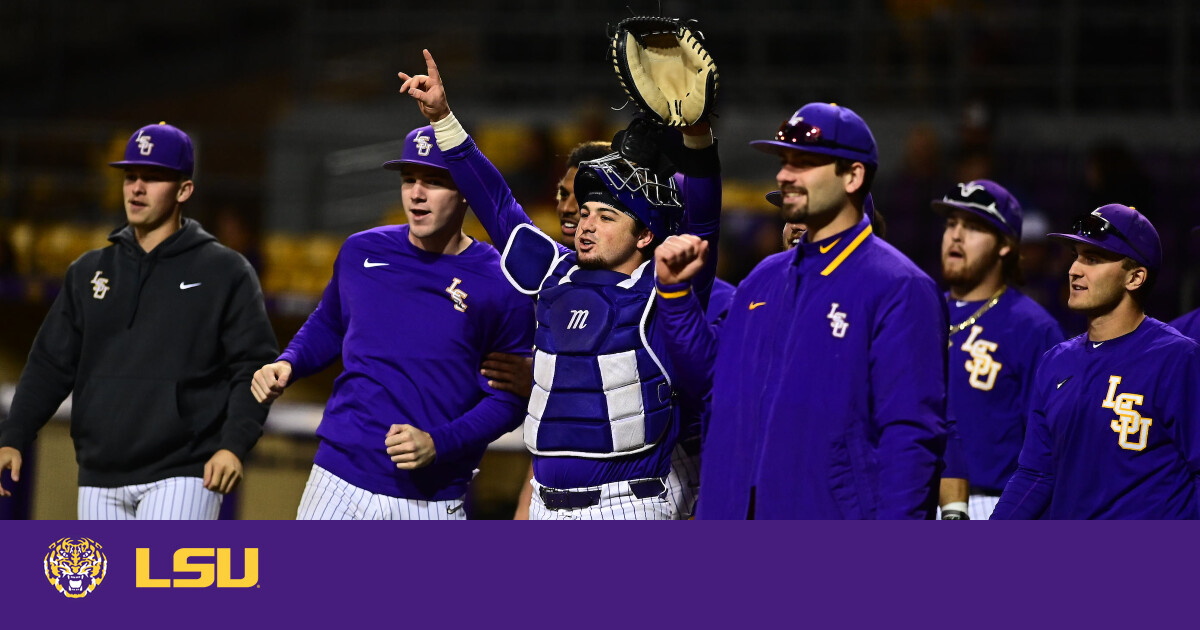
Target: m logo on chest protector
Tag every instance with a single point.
(1129, 421)
(458, 296)
(837, 321)
(982, 368)
(578, 320)
(99, 286)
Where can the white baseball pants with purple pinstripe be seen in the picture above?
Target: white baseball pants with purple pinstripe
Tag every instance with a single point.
(328, 497)
(174, 498)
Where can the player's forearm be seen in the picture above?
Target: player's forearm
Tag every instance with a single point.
(691, 343)
(317, 344)
(482, 185)
(497, 414)
(1026, 496)
(46, 381)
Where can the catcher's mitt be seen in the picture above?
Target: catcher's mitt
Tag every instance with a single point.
(665, 69)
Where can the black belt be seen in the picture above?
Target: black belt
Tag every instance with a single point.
(577, 499)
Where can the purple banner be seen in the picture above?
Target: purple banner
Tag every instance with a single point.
(798, 574)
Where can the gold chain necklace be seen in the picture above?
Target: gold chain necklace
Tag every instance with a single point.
(954, 330)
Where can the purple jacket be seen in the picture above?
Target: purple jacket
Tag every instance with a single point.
(828, 388)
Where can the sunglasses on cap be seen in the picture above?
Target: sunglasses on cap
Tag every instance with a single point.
(801, 133)
(978, 198)
(1094, 225)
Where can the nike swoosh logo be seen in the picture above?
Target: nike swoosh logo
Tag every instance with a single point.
(754, 305)
(1097, 345)
(368, 263)
(960, 303)
(184, 286)
(826, 248)
(1062, 382)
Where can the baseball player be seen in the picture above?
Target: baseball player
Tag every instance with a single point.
(1114, 424)
(156, 337)
(997, 336)
(515, 373)
(412, 309)
(828, 388)
(603, 417)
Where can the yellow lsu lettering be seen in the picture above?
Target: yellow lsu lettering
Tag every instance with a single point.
(981, 363)
(207, 573)
(1129, 421)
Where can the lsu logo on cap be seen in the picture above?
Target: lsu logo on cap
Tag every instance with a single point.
(145, 146)
(199, 561)
(75, 566)
(423, 145)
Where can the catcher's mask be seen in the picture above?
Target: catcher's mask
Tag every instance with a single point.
(652, 200)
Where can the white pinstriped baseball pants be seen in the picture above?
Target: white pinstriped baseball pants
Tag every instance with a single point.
(683, 483)
(328, 497)
(617, 503)
(173, 498)
(979, 507)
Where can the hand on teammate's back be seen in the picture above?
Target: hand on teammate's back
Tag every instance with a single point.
(270, 380)
(679, 258)
(509, 373)
(427, 90)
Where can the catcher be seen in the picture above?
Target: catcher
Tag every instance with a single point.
(604, 416)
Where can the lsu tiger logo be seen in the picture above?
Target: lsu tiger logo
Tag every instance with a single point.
(1129, 421)
(75, 566)
(982, 367)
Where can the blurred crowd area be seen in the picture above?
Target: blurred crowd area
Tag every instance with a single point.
(293, 107)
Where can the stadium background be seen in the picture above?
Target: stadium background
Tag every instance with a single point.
(293, 107)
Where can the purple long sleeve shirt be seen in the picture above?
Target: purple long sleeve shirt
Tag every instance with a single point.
(412, 328)
(991, 370)
(1113, 432)
(500, 213)
(828, 385)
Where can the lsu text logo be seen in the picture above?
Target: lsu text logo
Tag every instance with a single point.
(423, 145)
(206, 573)
(837, 321)
(1129, 421)
(144, 144)
(458, 295)
(75, 566)
(982, 367)
(99, 286)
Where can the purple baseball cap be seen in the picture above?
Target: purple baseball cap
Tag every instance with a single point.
(825, 128)
(159, 145)
(419, 148)
(987, 199)
(1118, 229)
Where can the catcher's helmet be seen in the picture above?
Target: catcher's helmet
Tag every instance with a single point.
(652, 200)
